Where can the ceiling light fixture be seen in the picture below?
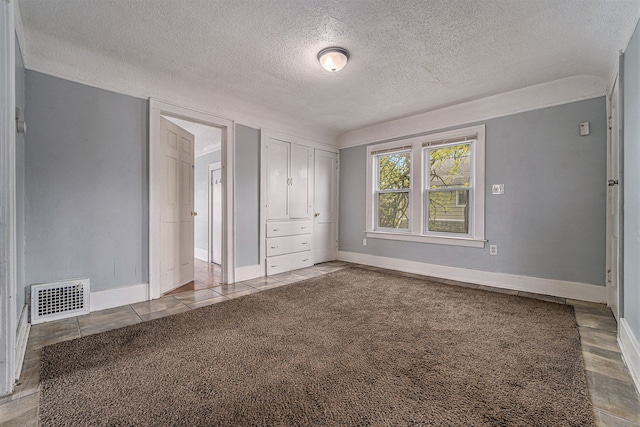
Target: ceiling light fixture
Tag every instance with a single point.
(333, 58)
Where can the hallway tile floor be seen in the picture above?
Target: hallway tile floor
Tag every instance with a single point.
(616, 402)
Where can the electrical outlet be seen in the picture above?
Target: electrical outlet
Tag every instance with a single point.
(364, 242)
(493, 249)
(497, 189)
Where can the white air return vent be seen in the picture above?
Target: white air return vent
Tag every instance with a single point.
(51, 301)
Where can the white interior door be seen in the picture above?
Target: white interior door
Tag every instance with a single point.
(176, 236)
(216, 215)
(613, 202)
(325, 203)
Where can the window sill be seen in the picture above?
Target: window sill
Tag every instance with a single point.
(440, 240)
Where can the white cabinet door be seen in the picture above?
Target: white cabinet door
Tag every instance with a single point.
(277, 177)
(299, 194)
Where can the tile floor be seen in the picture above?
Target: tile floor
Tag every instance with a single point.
(615, 400)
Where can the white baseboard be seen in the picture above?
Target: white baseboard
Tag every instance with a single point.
(249, 272)
(558, 288)
(101, 300)
(22, 336)
(201, 254)
(630, 347)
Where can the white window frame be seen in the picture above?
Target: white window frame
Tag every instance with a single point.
(417, 227)
(376, 190)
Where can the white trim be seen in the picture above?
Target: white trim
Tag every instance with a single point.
(117, 297)
(417, 228)
(249, 272)
(557, 288)
(562, 91)
(442, 240)
(630, 347)
(24, 327)
(281, 136)
(8, 262)
(156, 109)
(201, 254)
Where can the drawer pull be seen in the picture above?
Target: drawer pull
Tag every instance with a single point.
(274, 247)
(274, 266)
(304, 243)
(276, 229)
(306, 259)
(302, 228)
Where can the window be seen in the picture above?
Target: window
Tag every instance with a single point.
(393, 189)
(428, 189)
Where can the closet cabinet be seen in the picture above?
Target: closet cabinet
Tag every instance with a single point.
(288, 175)
(288, 172)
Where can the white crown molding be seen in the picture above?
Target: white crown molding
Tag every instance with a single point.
(557, 288)
(630, 347)
(117, 297)
(544, 95)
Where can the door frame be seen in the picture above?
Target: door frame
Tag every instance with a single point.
(210, 168)
(616, 78)
(156, 109)
(8, 276)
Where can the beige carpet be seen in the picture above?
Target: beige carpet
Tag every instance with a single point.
(353, 347)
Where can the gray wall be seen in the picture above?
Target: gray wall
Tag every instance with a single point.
(20, 152)
(86, 184)
(631, 182)
(247, 196)
(201, 202)
(550, 223)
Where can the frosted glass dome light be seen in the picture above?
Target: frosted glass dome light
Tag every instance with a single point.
(333, 58)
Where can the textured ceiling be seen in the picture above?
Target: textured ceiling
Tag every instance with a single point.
(255, 61)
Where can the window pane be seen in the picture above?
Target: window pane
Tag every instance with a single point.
(450, 166)
(394, 171)
(393, 210)
(445, 215)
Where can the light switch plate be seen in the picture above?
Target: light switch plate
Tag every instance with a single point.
(497, 189)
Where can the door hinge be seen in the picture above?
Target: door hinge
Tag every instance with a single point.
(609, 123)
(608, 275)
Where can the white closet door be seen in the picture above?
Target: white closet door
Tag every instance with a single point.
(325, 192)
(299, 192)
(277, 176)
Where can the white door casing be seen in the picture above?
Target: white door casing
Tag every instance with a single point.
(215, 213)
(325, 205)
(614, 176)
(156, 187)
(177, 209)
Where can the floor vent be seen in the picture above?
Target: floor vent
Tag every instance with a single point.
(52, 301)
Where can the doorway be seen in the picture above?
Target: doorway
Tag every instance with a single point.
(614, 199)
(160, 189)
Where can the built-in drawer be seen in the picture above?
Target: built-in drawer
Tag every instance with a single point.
(288, 228)
(288, 244)
(282, 263)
